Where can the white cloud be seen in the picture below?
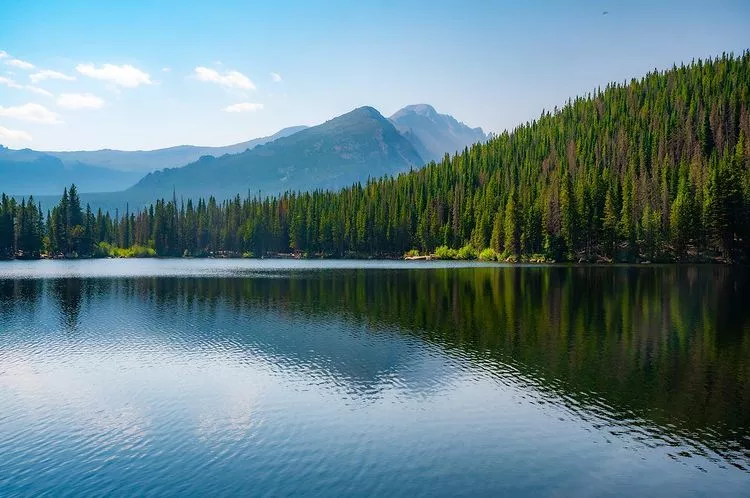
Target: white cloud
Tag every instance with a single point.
(229, 79)
(79, 101)
(38, 91)
(34, 113)
(125, 75)
(12, 84)
(9, 82)
(243, 107)
(3, 54)
(166, 69)
(276, 77)
(14, 135)
(47, 74)
(20, 64)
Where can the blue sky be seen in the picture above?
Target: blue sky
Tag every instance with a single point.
(156, 74)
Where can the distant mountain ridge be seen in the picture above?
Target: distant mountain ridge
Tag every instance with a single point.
(28, 171)
(434, 134)
(146, 161)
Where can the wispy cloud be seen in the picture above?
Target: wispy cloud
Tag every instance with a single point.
(48, 74)
(33, 113)
(9, 83)
(38, 91)
(166, 69)
(228, 79)
(244, 107)
(126, 75)
(35, 89)
(14, 135)
(77, 101)
(276, 77)
(20, 64)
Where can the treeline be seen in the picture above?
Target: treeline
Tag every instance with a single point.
(656, 169)
(25, 231)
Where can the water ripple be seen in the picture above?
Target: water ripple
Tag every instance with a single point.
(288, 379)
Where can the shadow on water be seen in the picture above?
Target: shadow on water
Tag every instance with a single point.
(659, 353)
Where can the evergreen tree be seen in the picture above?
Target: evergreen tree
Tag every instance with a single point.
(656, 168)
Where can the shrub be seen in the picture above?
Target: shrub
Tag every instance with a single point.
(411, 254)
(104, 249)
(488, 254)
(467, 252)
(137, 252)
(445, 252)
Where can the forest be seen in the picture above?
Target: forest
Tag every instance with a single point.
(656, 169)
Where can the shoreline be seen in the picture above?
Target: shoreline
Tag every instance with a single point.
(412, 259)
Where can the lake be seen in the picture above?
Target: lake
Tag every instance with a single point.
(242, 377)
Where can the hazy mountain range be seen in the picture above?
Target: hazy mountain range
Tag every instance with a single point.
(353, 147)
(146, 161)
(28, 171)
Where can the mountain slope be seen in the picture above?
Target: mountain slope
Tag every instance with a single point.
(344, 150)
(434, 135)
(145, 161)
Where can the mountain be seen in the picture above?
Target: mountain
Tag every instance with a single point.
(26, 171)
(351, 148)
(635, 172)
(432, 134)
(337, 153)
(145, 161)
(30, 172)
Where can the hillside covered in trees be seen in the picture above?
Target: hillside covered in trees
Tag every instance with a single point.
(653, 169)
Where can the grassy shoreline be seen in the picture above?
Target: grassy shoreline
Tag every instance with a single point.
(412, 256)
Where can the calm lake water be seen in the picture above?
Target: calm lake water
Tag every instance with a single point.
(219, 377)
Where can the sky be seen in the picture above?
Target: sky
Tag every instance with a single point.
(85, 75)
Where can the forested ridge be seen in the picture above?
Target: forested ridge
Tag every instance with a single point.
(654, 169)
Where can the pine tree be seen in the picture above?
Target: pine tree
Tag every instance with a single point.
(511, 225)
(610, 224)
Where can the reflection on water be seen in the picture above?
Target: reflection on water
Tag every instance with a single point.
(461, 380)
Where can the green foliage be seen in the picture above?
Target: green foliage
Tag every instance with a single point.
(650, 233)
(488, 254)
(680, 219)
(467, 252)
(554, 248)
(444, 252)
(609, 224)
(512, 226)
(134, 251)
(103, 250)
(653, 168)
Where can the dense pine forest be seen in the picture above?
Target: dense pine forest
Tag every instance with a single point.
(650, 170)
